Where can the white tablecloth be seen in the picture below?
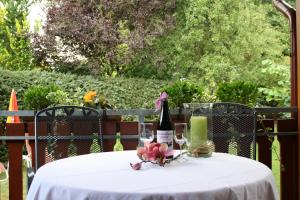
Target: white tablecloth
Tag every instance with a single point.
(109, 176)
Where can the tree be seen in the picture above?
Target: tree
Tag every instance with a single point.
(100, 36)
(218, 41)
(15, 47)
(15, 10)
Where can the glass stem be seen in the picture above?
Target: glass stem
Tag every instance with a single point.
(180, 148)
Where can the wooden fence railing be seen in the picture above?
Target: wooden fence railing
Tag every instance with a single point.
(284, 127)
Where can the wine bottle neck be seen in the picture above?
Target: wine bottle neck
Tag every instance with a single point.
(164, 115)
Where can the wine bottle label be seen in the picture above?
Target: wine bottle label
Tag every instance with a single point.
(165, 137)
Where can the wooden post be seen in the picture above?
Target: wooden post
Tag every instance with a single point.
(129, 128)
(15, 160)
(298, 83)
(265, 150)
(288, 159)
(264, 142)
(108, 128)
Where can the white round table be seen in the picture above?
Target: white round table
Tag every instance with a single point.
(109, 176)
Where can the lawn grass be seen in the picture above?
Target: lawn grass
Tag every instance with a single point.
(276, 162)
(4, 187)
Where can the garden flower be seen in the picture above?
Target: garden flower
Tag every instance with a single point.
(158, 101)
(89, 97)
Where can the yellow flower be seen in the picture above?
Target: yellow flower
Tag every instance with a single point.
(89, 97)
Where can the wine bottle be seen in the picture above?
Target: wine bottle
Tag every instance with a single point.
(118, 145)
(165, 128)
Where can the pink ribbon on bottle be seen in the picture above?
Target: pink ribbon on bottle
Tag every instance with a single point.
(163, 96)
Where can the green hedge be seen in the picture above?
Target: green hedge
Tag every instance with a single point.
(129, 93)
(120, 92)
(183, 91)
(239, 92)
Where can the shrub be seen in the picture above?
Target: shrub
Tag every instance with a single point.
(19, 81)
(239, 92)
(275, 91)
(274, 96)
(120, 92)
(59, 97)
(183, 91)
(36, 97)
(3, 152)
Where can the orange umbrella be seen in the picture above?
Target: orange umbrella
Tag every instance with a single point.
(13, 106)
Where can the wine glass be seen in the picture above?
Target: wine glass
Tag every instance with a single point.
(180, 134)
(146, 133)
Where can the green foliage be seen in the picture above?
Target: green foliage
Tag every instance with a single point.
(133, 92)
(3, 152)
(103, 102)
(101, 36)
(211, 42)
(239, 92)
(35, 97)
(95, 147)
(214, 41)
(15, 46)
(16, 9)
(120, 92)
(183, 91)
(59, 97)
(118, 145)
(275, 90)
(3, 145)
(274, 97)
(20, 81)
